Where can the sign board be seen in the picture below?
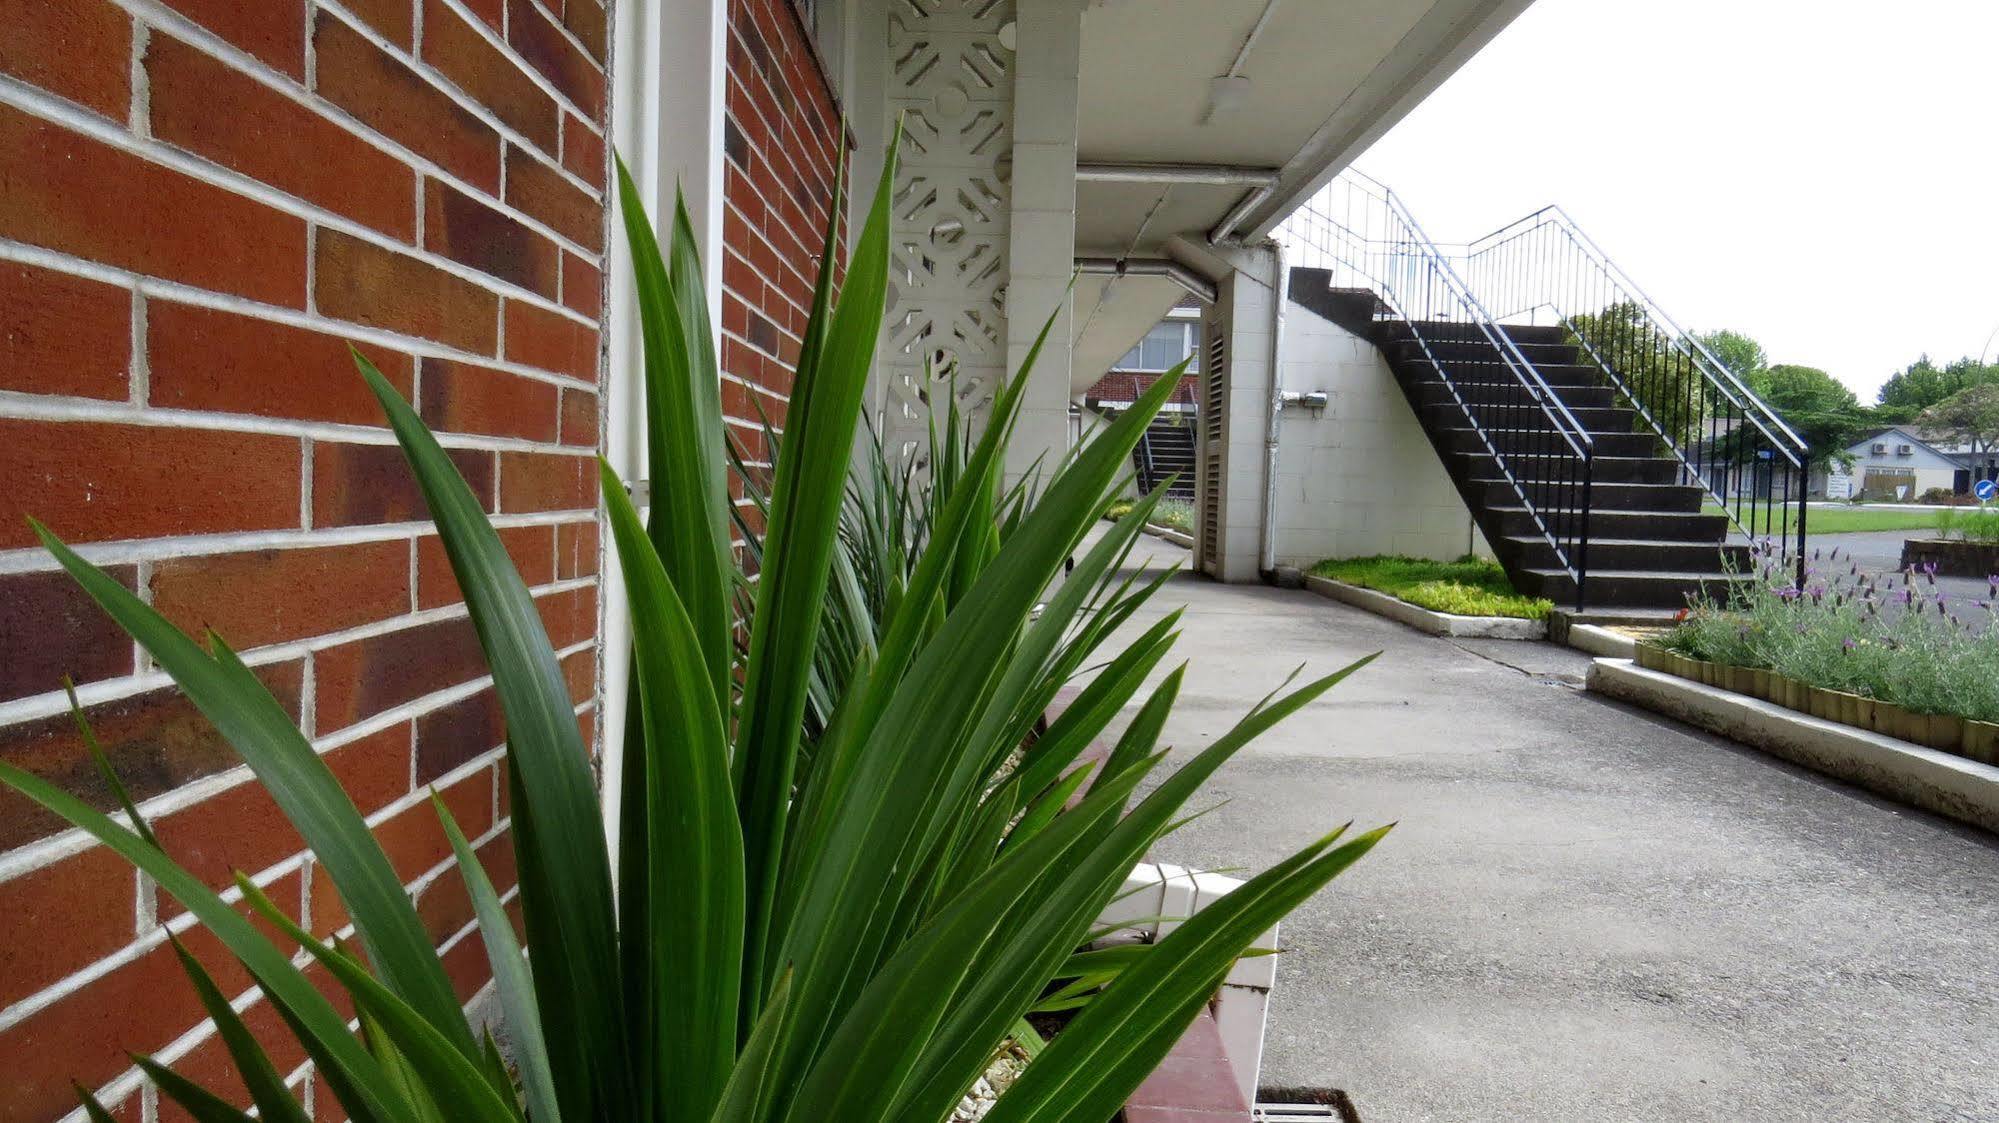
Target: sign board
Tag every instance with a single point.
(1985, 490)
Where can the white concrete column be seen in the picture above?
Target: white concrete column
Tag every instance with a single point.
(669, 74)
(1234, 448)
(1041, 247)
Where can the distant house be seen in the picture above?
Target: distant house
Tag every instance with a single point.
(1897, 463)
(1171, 340)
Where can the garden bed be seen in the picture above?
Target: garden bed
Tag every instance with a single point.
(1471, 587)
(1424, 619)
(1950, 557)
(1974, 740)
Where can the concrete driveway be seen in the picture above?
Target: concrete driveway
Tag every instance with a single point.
(1586, 913)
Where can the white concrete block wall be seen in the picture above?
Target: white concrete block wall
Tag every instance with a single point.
(1358, 477)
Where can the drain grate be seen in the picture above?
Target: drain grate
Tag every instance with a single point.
(1306, 1105)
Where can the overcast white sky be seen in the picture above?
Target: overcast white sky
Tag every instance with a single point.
(1823, 176)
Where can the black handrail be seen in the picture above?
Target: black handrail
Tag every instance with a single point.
(1359, 232)
(1727, 440)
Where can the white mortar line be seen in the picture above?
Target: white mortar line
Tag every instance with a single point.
(139, 114)
(187, 1042)
(33, 559)
(150, 940)
(21, 405)
(54, 703)
(159, 288)
(575, 40)
(414, 59)
(244, 62)
(138, 367)
(31, 100)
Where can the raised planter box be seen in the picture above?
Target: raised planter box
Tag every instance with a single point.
(1951, 557)
(1157, 898)
(1179, 538)
(1974, 740)
(1942, 782)
(1426, 620)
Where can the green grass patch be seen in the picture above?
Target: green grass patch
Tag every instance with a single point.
(1852, 520)
(1175, 513)
(1469, 586)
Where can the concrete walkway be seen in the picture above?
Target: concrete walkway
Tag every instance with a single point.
(1587, 913)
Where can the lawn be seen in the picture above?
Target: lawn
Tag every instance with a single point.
(1175, 513)
(1469, 586)
(1851, 520)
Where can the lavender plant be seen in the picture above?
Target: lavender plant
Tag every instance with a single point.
(1898, 638)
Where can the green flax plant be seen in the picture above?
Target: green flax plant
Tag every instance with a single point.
(843, 924)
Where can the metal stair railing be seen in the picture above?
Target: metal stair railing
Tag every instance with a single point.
(1361, 234)
(1755, 468)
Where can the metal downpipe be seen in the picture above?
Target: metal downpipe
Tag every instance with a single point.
(1266, 558)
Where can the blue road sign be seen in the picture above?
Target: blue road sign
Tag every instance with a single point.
(1985, 490)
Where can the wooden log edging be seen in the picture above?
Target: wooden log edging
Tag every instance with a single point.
(1973, 740)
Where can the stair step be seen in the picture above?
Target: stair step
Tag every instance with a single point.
(1607, 420)
(1464, 344)
(1604, 496)
(1542, 442)
(1607, 469)
(1661, 526)
(1427, 389)
(1535, 552)
(1622, 588)
(1488, 370)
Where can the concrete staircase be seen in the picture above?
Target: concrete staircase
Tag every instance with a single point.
(1650, 545)
(1166, 450)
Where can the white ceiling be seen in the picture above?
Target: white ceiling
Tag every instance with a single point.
(1325, 77)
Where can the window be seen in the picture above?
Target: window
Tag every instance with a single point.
(1163, 347)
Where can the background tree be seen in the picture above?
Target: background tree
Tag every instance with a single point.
(1923, 384)
(1737, 352)
(1646, 366)
(1969, 417)
(1822, 410)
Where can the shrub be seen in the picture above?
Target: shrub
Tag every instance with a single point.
(1969, 524)
(1177, 514)
(1900, 639)
(841, 920)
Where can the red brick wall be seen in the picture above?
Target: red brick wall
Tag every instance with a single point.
(782, 142)
(201, 203)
